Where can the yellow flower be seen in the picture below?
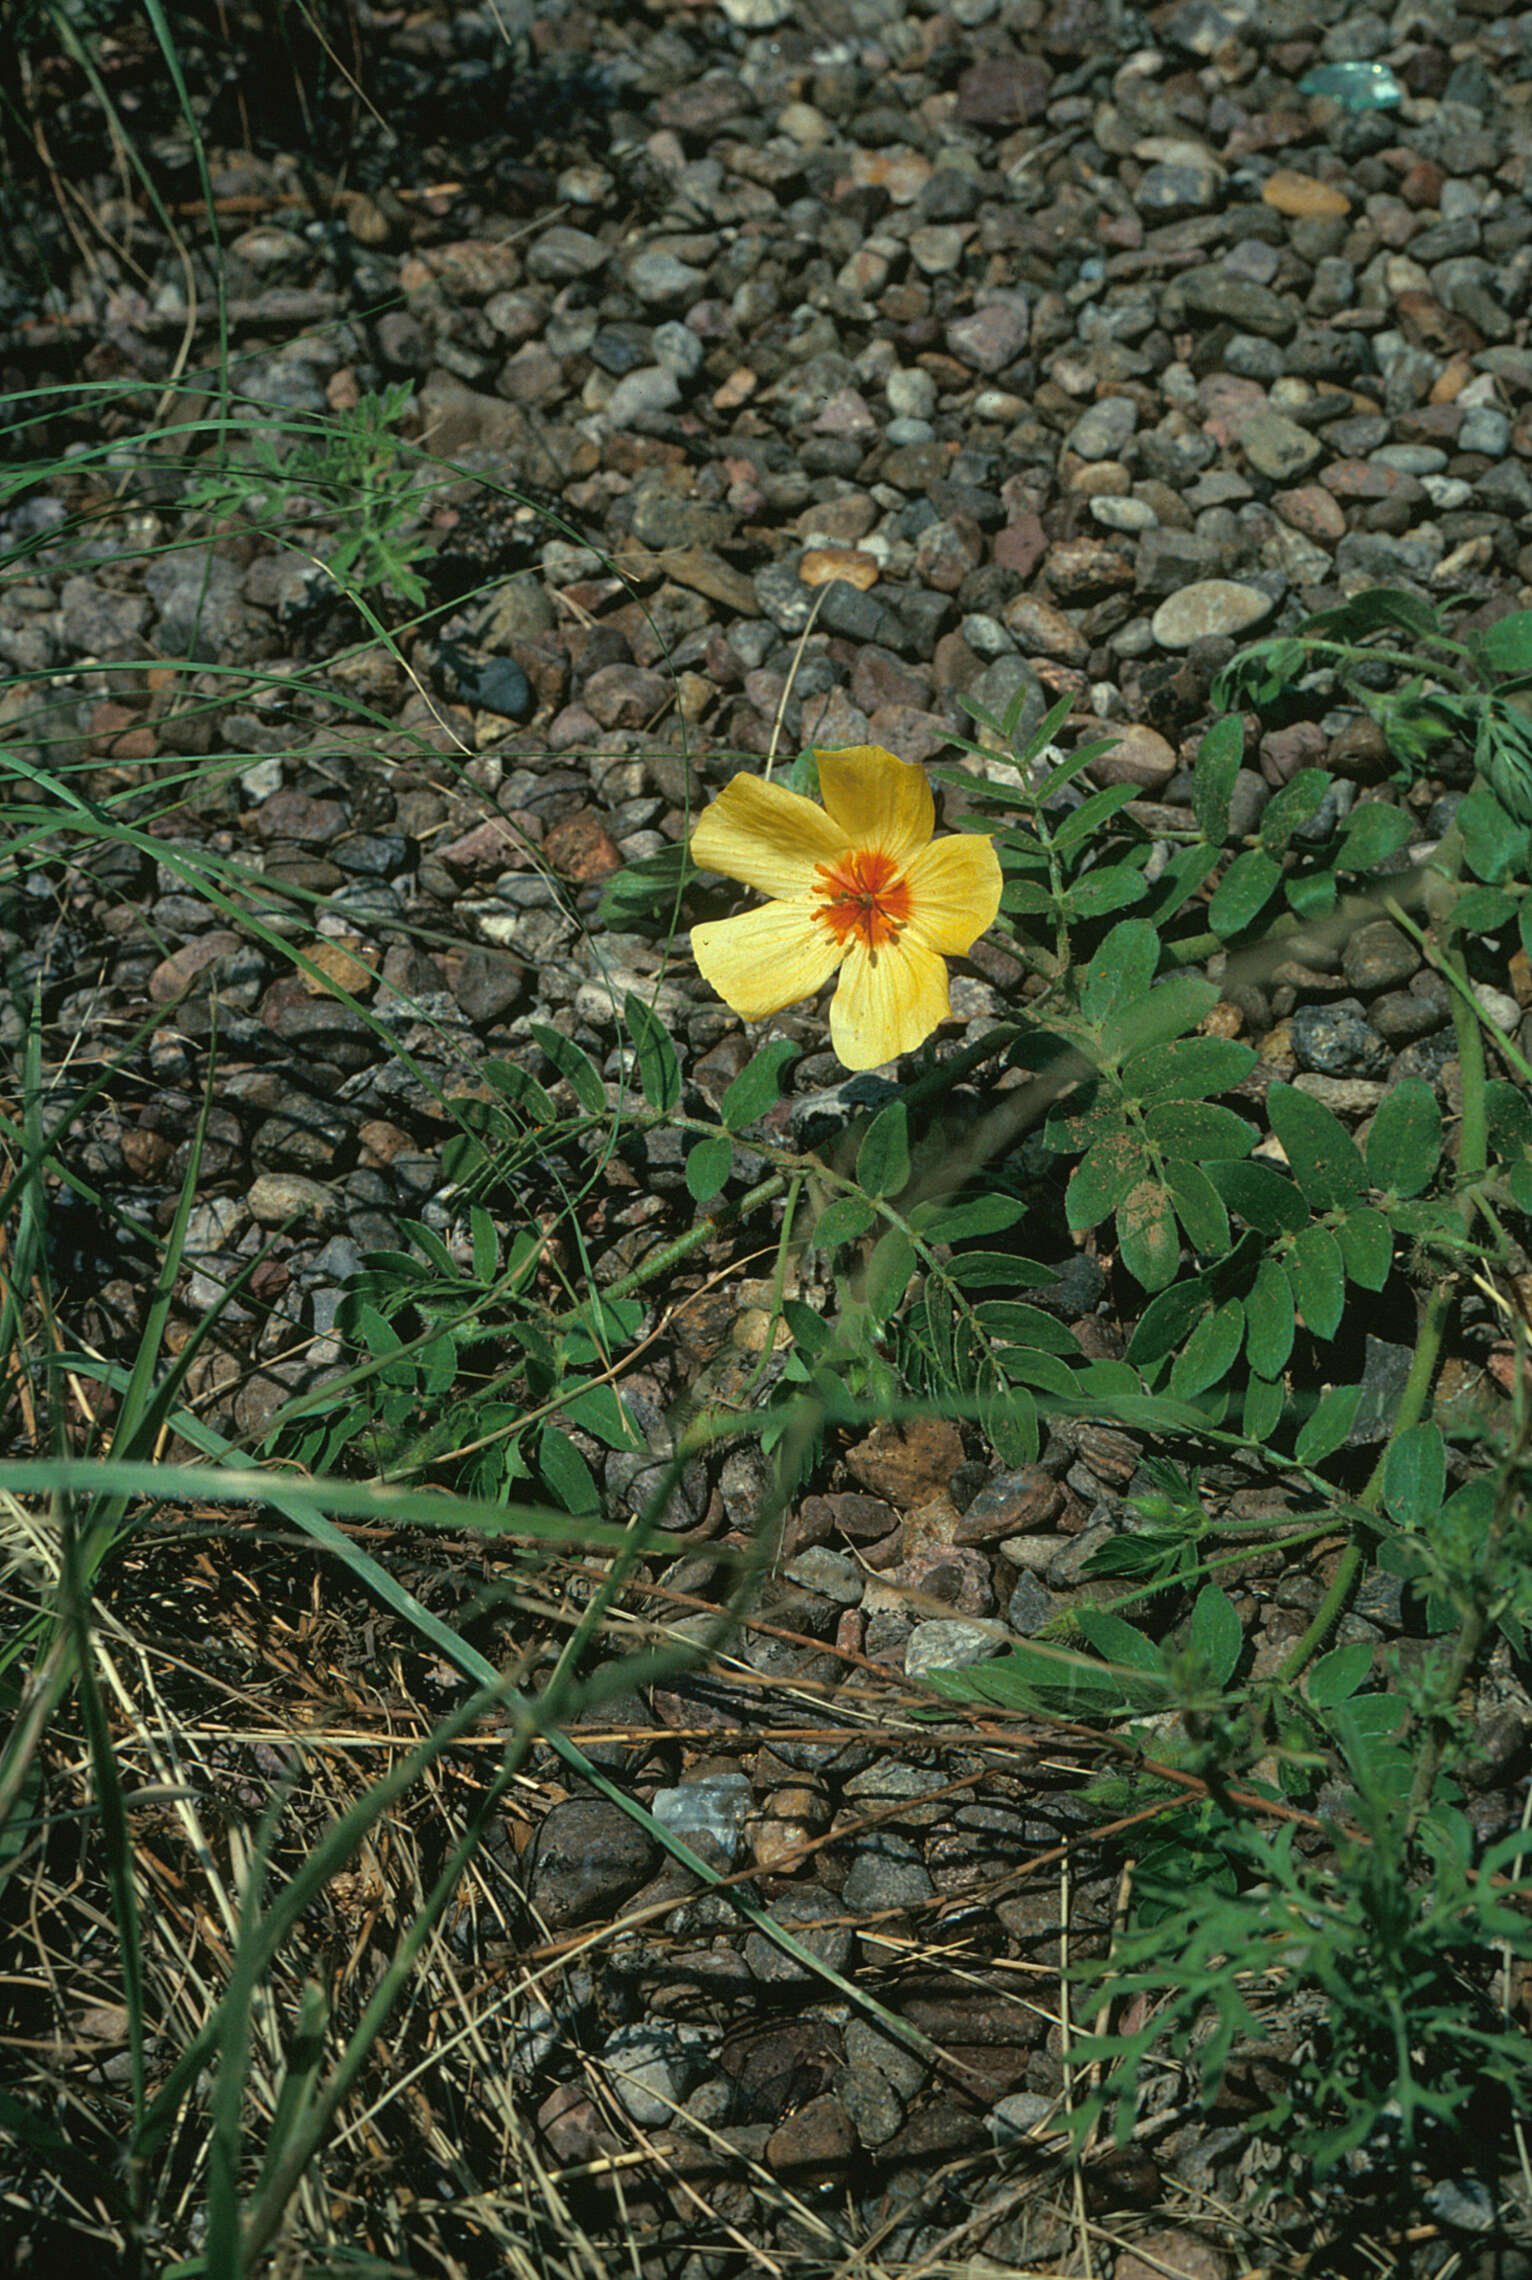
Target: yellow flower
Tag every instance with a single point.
(859, 885)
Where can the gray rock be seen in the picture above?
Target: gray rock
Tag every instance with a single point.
(1336, 1041)
(643, 395)
(812, 1918)
(716, 1808)
(1213, 606)
(661, 281)
(587, 1858)
(950, 1643)
(1101, 432)
(887, 1872)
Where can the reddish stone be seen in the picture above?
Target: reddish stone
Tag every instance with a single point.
(1021, 545)
(581, 848)
(1003, 91)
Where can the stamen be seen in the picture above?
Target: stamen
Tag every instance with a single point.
(865, 895)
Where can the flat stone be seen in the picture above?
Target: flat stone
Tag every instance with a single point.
(991, 338)
(1139, 755)
(274, 1198)
(1101, 432)
(1303, 196)
(661, 280)
(1039, 630)
(1276, 446)
(1313, 511)
(951, 1643)
(1213, 606)
(587, 1858)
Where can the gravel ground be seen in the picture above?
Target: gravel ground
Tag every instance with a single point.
(846, 360)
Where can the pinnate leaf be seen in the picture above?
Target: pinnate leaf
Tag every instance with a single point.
(1367, 1246)
(659, 1071)
(1200, 1130)
(1121, 970)
(577, 1069)
(1415, 1475)
(1213, 773)
(1215, 1634)
(1243, 892)
(1261, 1196)
(1198, 1205)
(708, 1165)
(1189, 1068)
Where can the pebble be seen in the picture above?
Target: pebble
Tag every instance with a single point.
(1208, 608)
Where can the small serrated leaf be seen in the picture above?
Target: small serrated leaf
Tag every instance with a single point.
(1404, 1141)
(1148, 1236)
(1325, 1160)
(1318, 1276)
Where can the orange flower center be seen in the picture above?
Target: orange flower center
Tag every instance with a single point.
(864, 894)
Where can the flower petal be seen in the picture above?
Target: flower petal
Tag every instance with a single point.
(766, 837)
(878, 801)
(765, 959)
(888, 1001)
(954, 893)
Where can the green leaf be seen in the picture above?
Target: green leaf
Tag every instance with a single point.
(946, 1222)
(888, 1273)
(1372, 832)
(1508, 1119)
(846, 1220)
(1269, 1319)
(598, 1409)
(577, 1069)
(1210, 1352)
(1147, 1235)
(1020, 1325)
(1404, 1141)
(646, 893)
(1050, 1373)
(1265, 1400)
(1494, 845)
(810, 1330)
(883, 1160)
(1200, 1131)
(708, 1166)
(977, 1270)
(1333, 1416)
(1415, 1475)
(1375, 608)
(1213, 773)
(1243, 892)
(1099, 893)
(1260, 1196)
(1170, 1008)
(1117, 1642)
(1318, 1276)
(1367, 1247)
(1198, 1206)
(1295, 804)
(758, 1087)
(1215, 1634)
(1120, 972)
(1091, 814)
(565, 1473)
(1503, 754)
(1104, 1178)
(1484, 910)
(659, 1072)
(1324, 1158)
(1337, 1675)
(521, 1088)
(1167, 1320)
(1506, 646)
(486, 1243)
(1190, 1068)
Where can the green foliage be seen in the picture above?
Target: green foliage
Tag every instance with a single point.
(350, 468)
